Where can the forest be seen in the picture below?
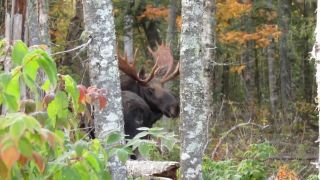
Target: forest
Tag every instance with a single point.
(159, 89)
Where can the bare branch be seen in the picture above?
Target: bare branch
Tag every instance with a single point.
(232, 129)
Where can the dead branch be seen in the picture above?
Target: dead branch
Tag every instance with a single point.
(232, 129)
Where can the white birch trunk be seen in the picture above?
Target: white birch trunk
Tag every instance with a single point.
(316, 55)
(208, 40)
(104, 72)
(191, 90)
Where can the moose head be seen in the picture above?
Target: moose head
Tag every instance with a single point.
(150, 87)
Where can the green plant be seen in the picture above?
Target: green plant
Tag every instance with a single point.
(32, 143)
(251, 168)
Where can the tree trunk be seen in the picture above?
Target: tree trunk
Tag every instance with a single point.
(37, 31)
(191, 90)
(285, 70)
(273, 96)
(128, 31)
(171, 23)
(37, 23)
(104, 72)
(316, 55)
(208, 39)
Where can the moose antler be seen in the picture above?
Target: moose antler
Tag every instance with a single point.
(165, 62)
(130, 70)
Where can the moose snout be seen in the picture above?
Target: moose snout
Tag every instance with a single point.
(172, 111)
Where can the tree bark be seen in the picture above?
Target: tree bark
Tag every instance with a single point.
(316, 55)
(285, 70)
(208, 39)
(273, 96)
(171, 22)
(152, 169)
(128, 31)
(99, 23)
(191, 90)
(37, 23)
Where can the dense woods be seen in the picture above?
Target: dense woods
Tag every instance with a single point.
(177, 89)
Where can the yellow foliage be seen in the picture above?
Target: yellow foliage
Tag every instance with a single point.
(261, 36)
(153, 13)
(238, 69)
(229, 9)
(179, 22)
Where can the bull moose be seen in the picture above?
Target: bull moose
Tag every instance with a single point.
(144, 99)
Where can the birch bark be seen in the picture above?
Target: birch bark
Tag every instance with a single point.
(104, 72)
(316, 55)
(191, 90)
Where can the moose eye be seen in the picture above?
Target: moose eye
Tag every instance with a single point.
(150, 91)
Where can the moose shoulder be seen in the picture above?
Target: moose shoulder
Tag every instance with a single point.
(144, 99)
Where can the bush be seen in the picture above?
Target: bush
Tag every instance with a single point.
(253, 167)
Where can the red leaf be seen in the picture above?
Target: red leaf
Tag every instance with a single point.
(102, 102)
(82, 93)
(9, 156)
(23, 160)
(38, 160)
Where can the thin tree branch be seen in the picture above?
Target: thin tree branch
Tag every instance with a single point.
(232, 129)
(81, 47)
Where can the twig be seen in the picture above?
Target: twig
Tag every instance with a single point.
(82, 46)
(232, 129)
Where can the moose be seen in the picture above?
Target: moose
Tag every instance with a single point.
(144, 99)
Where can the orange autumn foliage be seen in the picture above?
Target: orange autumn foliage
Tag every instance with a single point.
(229, 9)
(284, 173)
(261, 36)
(153, 13)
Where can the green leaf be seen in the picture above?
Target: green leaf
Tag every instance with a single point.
(70, 174)
(141, 134)
(18, 52)
(30, 69)
(93, 162)
(46, 85)
(5, 79)
(13, 86)
(48, 65)
(113, 138)
(10, 101)
(82, 170)
(122, 154)
(25, 147)
(145, 149)
(17, 129)
(71, 88)
(58, 108)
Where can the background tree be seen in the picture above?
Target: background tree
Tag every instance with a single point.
(104, 73)
(192, 113)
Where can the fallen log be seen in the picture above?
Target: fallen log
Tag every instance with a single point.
(155, 170)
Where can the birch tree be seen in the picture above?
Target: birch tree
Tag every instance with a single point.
(316, 55)
(208, 39)
(104, 72)
(191, 90)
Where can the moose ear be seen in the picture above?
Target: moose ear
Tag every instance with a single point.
(142, 73)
